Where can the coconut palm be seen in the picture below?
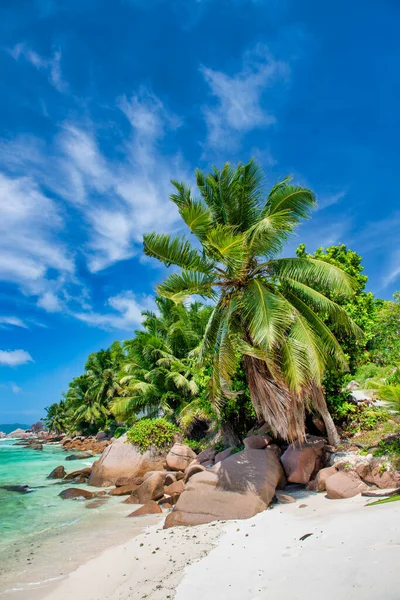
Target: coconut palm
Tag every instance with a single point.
(159, 375)
(266, 307)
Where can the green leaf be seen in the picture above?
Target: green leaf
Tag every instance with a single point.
(175, 251)
(266, 315)
(312, 272)
(178, 286)
(226, 245)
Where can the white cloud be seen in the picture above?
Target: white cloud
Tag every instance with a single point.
(239, 106)
(51, 66)
(326, 200)
(13, 358)
(127, 308)
(15, 388)
(15, 321)
(103, 204)
(30, 248)
(50, 302)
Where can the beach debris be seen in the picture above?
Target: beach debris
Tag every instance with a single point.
(305, 536)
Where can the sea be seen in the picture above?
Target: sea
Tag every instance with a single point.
(43, 537)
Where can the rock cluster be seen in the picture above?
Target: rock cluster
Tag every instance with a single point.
(86, 444)
(122, 458)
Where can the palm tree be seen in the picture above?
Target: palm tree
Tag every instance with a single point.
(86, 407)
(159, 375)
(266, 307)
(55, 420)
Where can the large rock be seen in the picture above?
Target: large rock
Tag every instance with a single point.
(257, 442)
(344, 485)
(180, 457)
(82, 475)
(206, 456)
(322, 476)
(150, 508)
(237, 488)
(223, 455)
(123, 459)
(151, 489)
(302, 460)
(57, 473)
(79, 456)
(175, 488)
(123, 490)
(75, 493)
(375, 473)
(123, 481)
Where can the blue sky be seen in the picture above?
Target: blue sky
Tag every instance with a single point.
(103, 102)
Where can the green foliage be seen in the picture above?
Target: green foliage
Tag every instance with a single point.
(394, 498)
(147, 433)
(388, 447)
(385, 345)
(354, 418)
(119, 432)
(271, 310)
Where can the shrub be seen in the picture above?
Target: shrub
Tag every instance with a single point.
(388, 447)
(119, 432)
(146, 433)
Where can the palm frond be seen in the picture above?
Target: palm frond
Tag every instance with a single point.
(266, 315)
(177, 286)
(175, 251)
(313, 272)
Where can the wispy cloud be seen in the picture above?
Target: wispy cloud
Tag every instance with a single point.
(326, 200)
(125, 314)
(239, 107)
(12, 321)
(30, 248)
(51, 66)
(109, 202)
(15, 388)
(13, 358)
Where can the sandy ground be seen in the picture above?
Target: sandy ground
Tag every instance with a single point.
(353, 552)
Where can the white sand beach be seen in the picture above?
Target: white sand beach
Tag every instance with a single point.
(353, 552)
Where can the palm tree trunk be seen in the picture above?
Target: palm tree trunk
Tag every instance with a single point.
(318, 398)
(272, 401)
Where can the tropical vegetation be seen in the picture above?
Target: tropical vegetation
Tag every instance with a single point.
(273, 339)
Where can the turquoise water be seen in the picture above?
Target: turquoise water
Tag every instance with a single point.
(23, 515)
(42, 537)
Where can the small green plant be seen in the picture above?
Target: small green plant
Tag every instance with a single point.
(119, 432)
(197, 446)
(148, 433)
(388, 447)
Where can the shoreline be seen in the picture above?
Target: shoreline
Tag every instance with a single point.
(352, 552)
